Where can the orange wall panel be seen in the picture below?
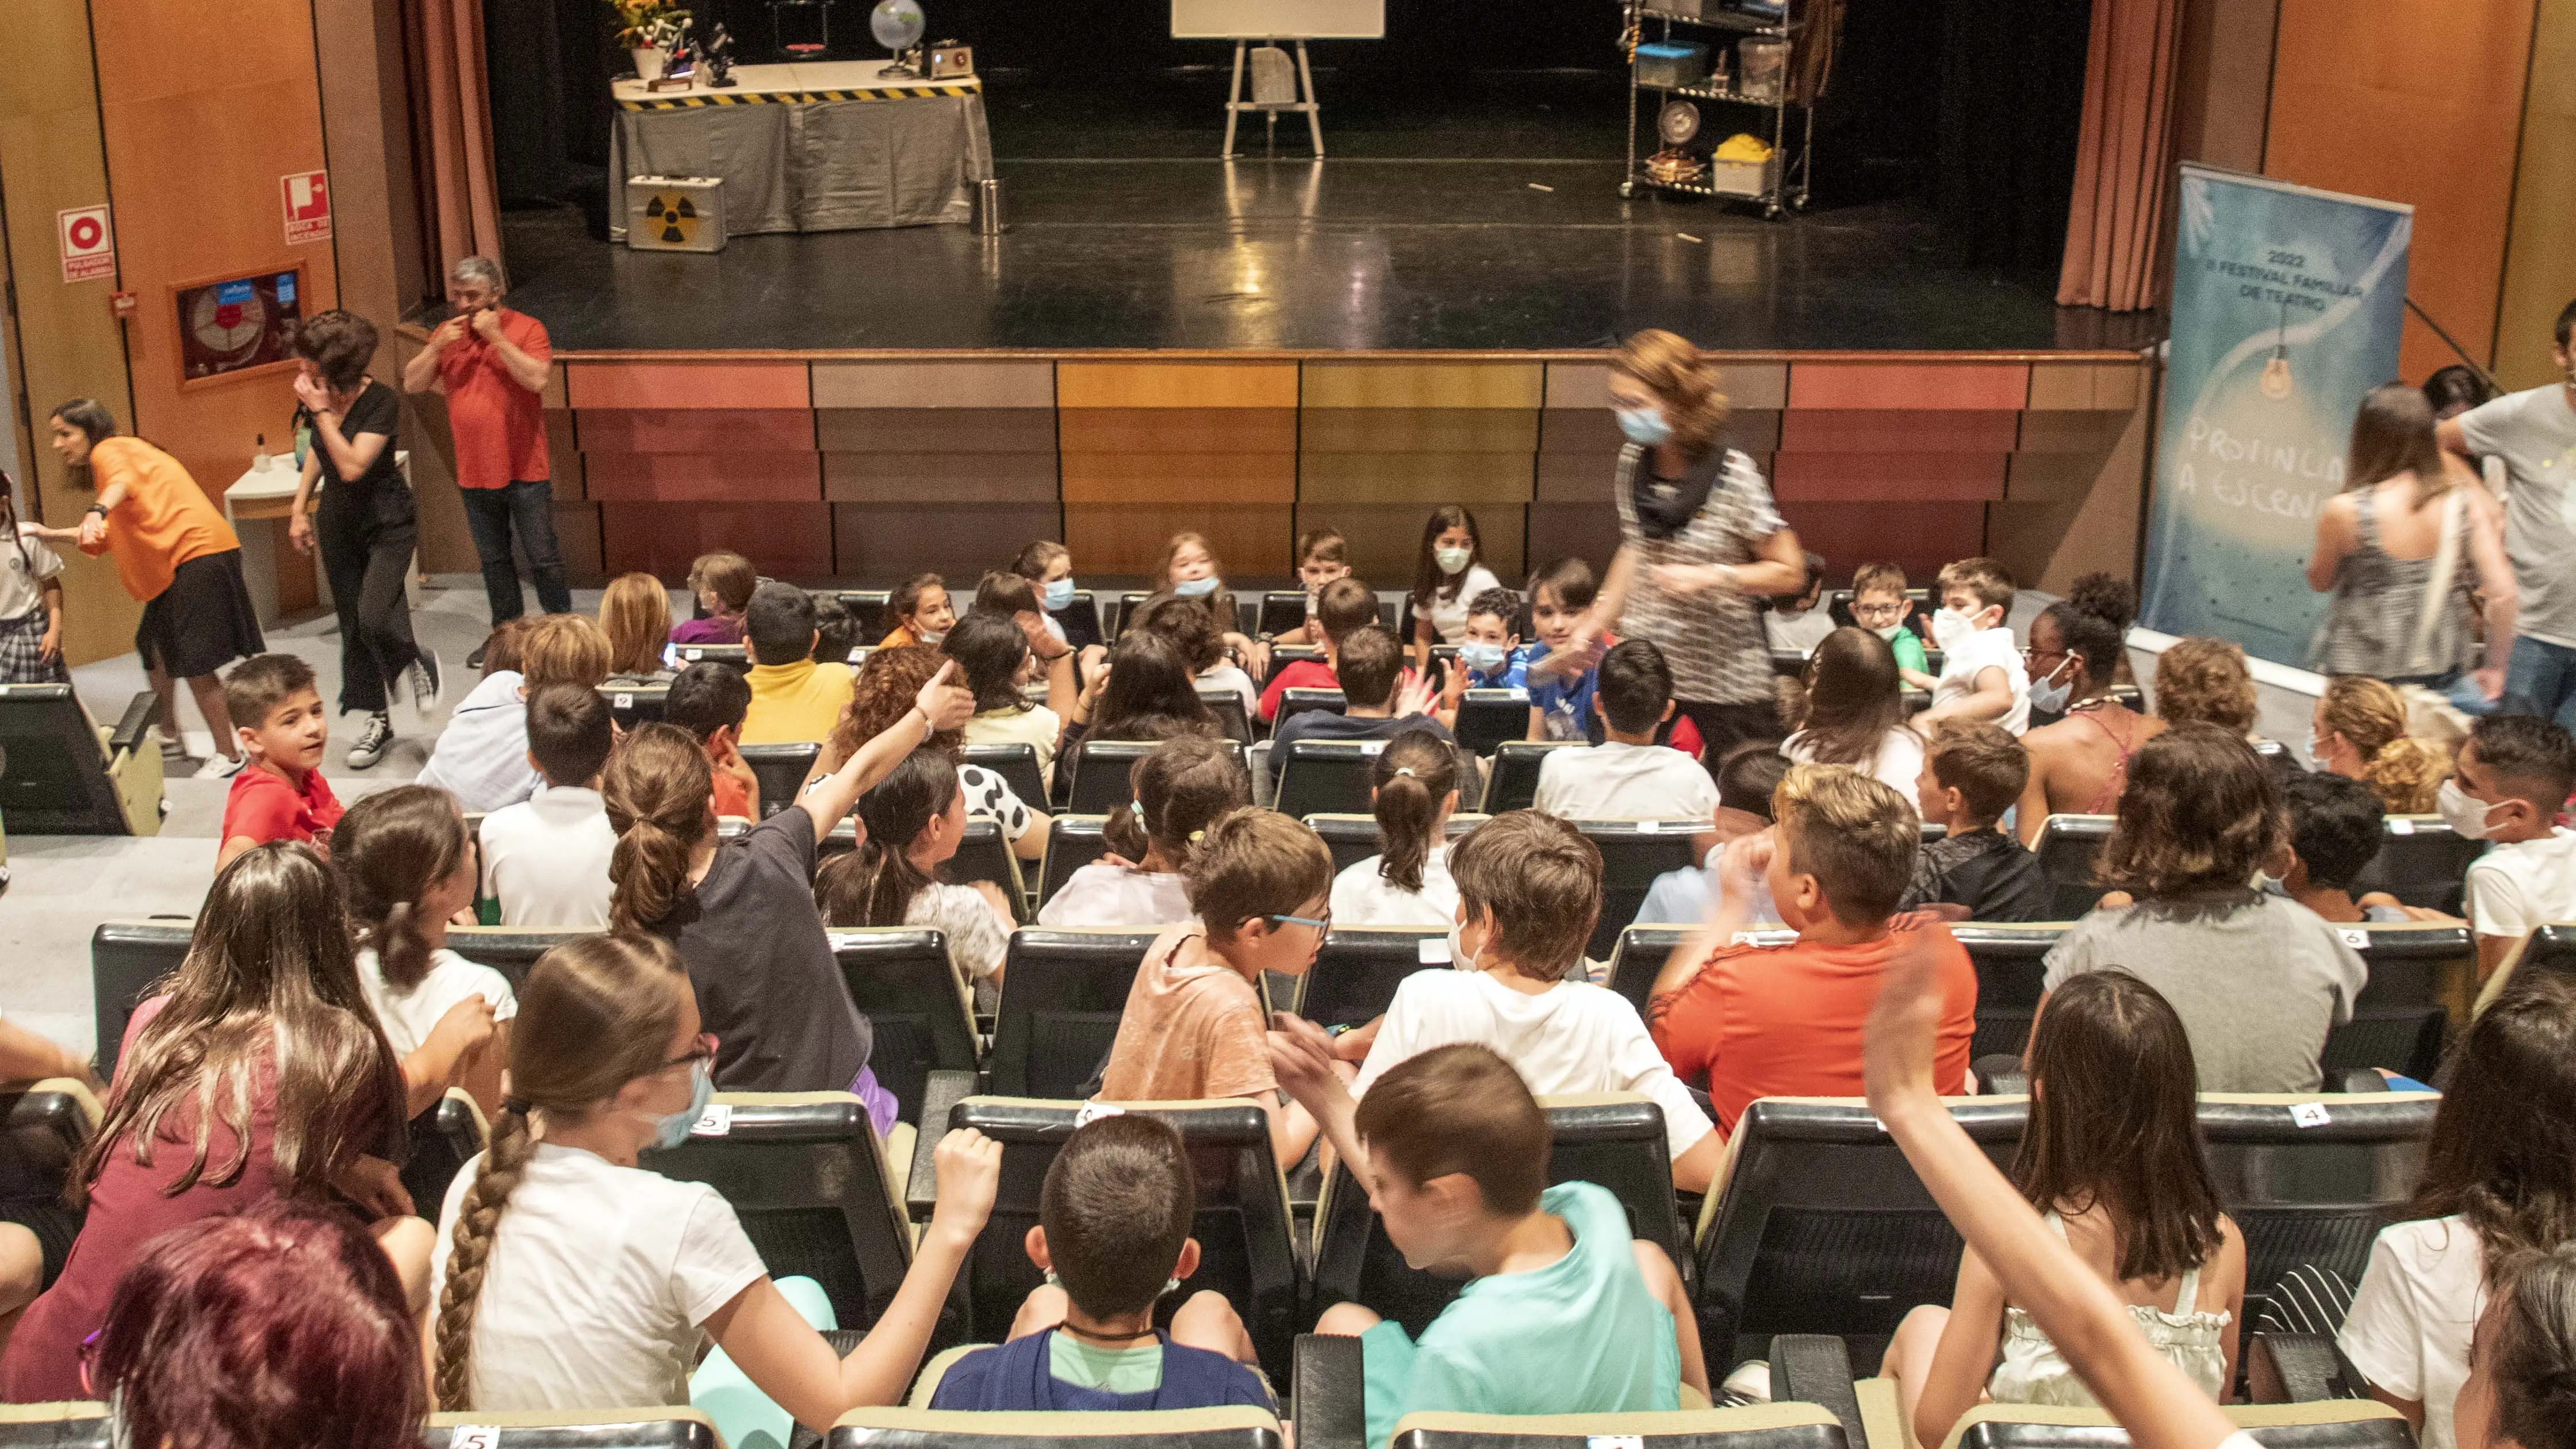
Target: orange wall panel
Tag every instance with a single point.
(695, 430)
(789, 541)
(1917, 537)
(703, 477)
(686, 384)
(1897, 430)
(1177, 430)
(1860, 477)
(2370, 99)
(1985, 385)
(1180, 477)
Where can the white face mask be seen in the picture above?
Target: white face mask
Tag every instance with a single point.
(2465, 813)
(2049, 694)
(1949, 626)
(1891, 631)
(1458, 957)
(1452, 561)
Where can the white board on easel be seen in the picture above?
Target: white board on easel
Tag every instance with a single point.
(1279, 19)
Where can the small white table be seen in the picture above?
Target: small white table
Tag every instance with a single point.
(266, 497)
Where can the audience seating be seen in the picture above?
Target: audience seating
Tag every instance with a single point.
(982, 854)
(1294, 702)
(631, 705)
(1763, 1426)
(125, 959)
(868, 611)
(1281, 611)
(1018, 767)
(2422, 862)
(732, 656)
(1639, 955)
(913, 1428)
(80, 1424)
(62, 775)
(511, 950)
(781, 771)
(817, 1193)
(2347, 1424)
(1100, 768)
(1325, 776)
(1614, 1139)
(2313, 1190)
(1227, 705)
(1062, 994)
(43, 1126)
(1073, 842)
(921, 1013)
(442, 1140)
(1514, 783)
(2550, 948)
(1355, 974)
(1633, 853)
(1283, 655)
(1488, 717)
(1821, 1226)
(1789, 663)
(2068, 847)
(1352, 836)
(2402, 1017)
(2011, 960)
(1243, 1224)
(85, 1426)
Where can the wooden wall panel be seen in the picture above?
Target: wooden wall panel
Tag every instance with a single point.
(2086, 386)
(577, 535)
(703, 477)
(686, 385)
(696, 430)
(787, 540)
(1390, 384)
(1386, 542)
(1206, 479)
(1987, 385)
(1250, 539)
(933, 430)
(1176, 385)
(1859, 477)
(1423, 480)
(1917, 537)
(1754, 385)
(1177, 430)
(1418, 430)
(1588, 531)
(935, 384)
(891, 542)
(1898, 430)
(2540, 262)
(940, 477)
(2361, 104)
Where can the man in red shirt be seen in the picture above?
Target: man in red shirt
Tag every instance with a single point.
(1786, 1021)
(494, 364)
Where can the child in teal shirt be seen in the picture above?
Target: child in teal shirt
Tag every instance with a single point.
(1566, 1313)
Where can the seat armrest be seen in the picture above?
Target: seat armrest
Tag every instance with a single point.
(2360, 1079)
(1815, 1368)
(939, 1097)
(1999, 1074)
(1329, 1399)
(135, 727)
(2298, 1368)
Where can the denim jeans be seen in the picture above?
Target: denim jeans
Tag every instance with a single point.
(491, 513)
(2540, 679)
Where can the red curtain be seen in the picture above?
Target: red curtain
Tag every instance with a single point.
(452, 130)
(2124, 160)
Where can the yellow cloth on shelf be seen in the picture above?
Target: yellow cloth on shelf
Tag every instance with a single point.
(1744, 146)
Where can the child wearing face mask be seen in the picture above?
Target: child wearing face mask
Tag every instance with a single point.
(922, 612)
(1449, 575)
(1190, 569)
(1983, 676)
(2515, 774)
(1491, 656)
(1323, 555)
(1879, 604)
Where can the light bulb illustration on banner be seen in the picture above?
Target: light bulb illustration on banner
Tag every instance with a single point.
(2276, 382)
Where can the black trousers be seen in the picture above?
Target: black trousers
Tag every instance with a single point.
(366, 550)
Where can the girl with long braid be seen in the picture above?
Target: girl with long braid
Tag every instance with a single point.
(569, 1277)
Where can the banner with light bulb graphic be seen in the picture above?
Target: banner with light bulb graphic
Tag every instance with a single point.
(2287, 303)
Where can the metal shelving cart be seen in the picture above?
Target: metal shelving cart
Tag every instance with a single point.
(1781, 183)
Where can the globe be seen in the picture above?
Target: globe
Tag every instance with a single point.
(897, 24)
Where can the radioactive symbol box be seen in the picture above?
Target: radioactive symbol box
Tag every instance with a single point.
(675, 213)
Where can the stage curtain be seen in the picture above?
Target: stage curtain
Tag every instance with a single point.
(452, 128)
(2011, 92)
(2115, 221)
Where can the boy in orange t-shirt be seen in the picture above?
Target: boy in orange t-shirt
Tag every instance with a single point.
(280, 794)
(1786, 1021)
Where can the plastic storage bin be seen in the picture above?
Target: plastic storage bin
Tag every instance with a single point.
(1672, 66)
(1761, 68)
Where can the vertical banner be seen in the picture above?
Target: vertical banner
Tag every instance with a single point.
(2286, 307)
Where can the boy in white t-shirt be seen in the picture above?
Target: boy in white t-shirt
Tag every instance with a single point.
(2512, 779)
(1628, 776)
(1982, 675)
(545, 859)
(1529, 889)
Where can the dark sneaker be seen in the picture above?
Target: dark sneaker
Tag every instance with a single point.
(474, 661)
(425, 679)
(369, 746)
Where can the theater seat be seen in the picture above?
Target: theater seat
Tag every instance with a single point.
(2421, 861)
(1759, 1426)
(2312, 1178)
(1356, 973)
(1243, 1224)
(1018, 767)
(2342, 1424)
(1227, 705)
(781, 771)
(1318, 777)
(1294, 702)
(731, 656)
(2011, 961)
(2068, 846)
(1818, 1224)
(631, 705)
(2402, 1015)
(919, 1010)
(1062, 994)
(1633, 853)
(982, 854)
(511, 950)
(1073, 842)
(1488, 717)
(1100, 773)
(1352, 835)
(1514, 784)
(1283, 655)
(442, 1140)
(43, 1126)
(817, 1193)
(60, 774)
(868, 611)
(126, 959)
(1227, 1428)
(1643, 949)
(1615, 1139)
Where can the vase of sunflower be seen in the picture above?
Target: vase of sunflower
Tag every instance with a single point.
(647, 29)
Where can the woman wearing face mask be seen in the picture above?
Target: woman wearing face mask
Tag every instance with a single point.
(568, 1276)
(1700, 541)
(1448, 576)
(2079, 765)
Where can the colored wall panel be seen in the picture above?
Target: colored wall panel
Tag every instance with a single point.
(1426, 479)
(1917, 537)
(563, 457)
(946, 478)
(1335, 384)
(934, 384)
(1177, 430)
(2095, 386)
(932, 430)
(1176, 385)
(695, 430)
(1386, 541)
(686, 384)
(577, 535)
(2361, 103)
(703, 477)
(1203, 479)
(1860, 477)
(789, 541)
(1594, 432)
(889, 542)
(1588, 531)
(2540, 264)
(1249, 538)
(1759, 385)
(1418, 430)
(2071, 432)
(1865, 430)
(1990, 385)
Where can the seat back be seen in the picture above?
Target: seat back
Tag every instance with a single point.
(781, 771)
(1633, 853)
(2403, 1016)
(53, 771)
(2548, 949)
(2068, 846)
(1100, 773)
(441, 1141)
(1613, 1139)
(1487, 717)
(1283, 655)
(1352, 837)
(1753, 1426)
(511, 950)
(1514, 782)
(867, 611)
(1355, 974)
(1128, 602)
(1639, 954)
(1327, 776)
(2312, 1179)
(1073, 842)
(982, 854)
(43, 1126)
(631, 705)
(1227, 705)
(1018, 767)
(2322, 1424)
(807, 1176)
(917, 1008)
(2422, 861)
(1281, 611)
(1234, 1427)
(1062, 994)
(1243, 1224)
(1821, 1226)
(731, 656)
(125, 959)
(85, 1426)
(1294, 702)
(2011, 959)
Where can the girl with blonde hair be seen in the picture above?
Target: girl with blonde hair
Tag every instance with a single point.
(635, 614)
(2360, 733)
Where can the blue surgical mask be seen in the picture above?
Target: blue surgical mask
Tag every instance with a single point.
(1059, 595)
(1196, 588)
(673, 1130)
(1645, 425)
(1482, 658)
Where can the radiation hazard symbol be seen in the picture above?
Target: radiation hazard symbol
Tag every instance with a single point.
(675, 219)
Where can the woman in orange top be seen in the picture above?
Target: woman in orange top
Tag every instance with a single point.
(174, 551)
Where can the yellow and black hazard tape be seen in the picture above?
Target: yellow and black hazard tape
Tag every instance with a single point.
(696, 100)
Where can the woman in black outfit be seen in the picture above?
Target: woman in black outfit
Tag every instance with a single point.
(366, 524)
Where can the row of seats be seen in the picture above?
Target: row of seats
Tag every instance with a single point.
(2421, 861)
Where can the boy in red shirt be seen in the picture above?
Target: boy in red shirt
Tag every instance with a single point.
(1345, 604)
(1786, 1021)
(280, 794)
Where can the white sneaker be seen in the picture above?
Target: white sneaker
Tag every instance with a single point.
(221, 767)
(373, 737)
(425, 679)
